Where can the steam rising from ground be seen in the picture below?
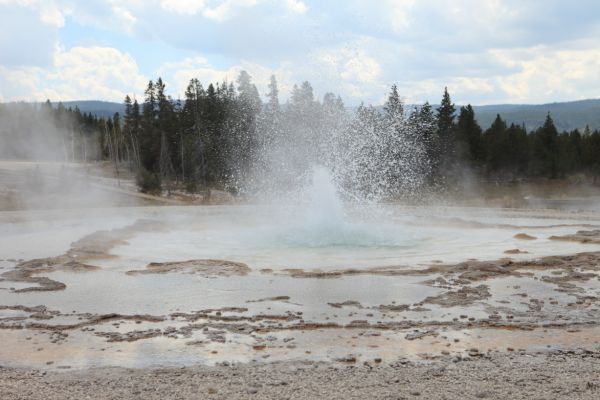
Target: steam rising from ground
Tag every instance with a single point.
(59, 185)
(44, 161)
(39, 132)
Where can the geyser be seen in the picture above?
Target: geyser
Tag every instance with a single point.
(323, 220)
(325, 209)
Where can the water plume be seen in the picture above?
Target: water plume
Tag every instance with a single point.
(370, 158)
(324, 220)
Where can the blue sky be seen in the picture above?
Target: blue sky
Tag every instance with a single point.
(486, 52)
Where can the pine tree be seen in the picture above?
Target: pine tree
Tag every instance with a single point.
(445, 115)
(273, 96)
(334, 121)
(215, 152)
(166, 123)
(427, 123)
(545, 150)
(591, 154)
(468, 137)
(302, 128)
(128, 112)
(136, 127)
(194, 137)
(496, 145)
(243, 142)
(394, 108)
(569, 152)
(270, 123)
(128, 131)
(396, 137)
(149, 142)
(517, 150)
(445, 132)
(422, 123)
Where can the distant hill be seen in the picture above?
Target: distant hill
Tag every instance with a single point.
(567, 115)
(96, 107)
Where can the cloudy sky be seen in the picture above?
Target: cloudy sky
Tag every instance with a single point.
(485, 51)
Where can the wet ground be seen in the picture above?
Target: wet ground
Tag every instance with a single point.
(175, 286)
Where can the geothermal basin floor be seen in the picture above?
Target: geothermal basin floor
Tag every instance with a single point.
(234, 301)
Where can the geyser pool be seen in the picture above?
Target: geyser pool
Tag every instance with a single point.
(271, 240)
(273, 237)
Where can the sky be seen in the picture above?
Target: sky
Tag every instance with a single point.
(485, 51)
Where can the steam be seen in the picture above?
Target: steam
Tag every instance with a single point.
(48, 160)
(39, 132)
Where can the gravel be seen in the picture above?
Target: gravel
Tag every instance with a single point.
(557, 375)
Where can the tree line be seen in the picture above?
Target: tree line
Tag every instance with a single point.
(504, 152)
(225, 136)
(218, 136)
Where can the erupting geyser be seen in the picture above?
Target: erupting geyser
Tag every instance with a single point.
(322, 220)
(325, 210)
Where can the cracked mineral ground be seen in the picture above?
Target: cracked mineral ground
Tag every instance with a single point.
(222, 288)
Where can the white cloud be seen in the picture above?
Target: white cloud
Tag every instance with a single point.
(484, 51)
(362, 69)
(19, 84)
(178, 74)
(122, 14)
(537, 74)
(462, 90)
(397, 13)
(52, 16)
(79, 73)
(190, 7)
(296, 6)
(49, 11)
(348, 72)
(227, 9)
(546, 73)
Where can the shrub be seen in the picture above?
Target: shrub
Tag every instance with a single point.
(148, 182)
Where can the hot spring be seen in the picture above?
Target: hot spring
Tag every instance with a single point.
(309, 277)
(319, 230)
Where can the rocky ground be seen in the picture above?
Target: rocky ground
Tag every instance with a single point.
(556, 375)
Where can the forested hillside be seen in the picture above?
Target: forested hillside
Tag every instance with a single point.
(566, 115)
